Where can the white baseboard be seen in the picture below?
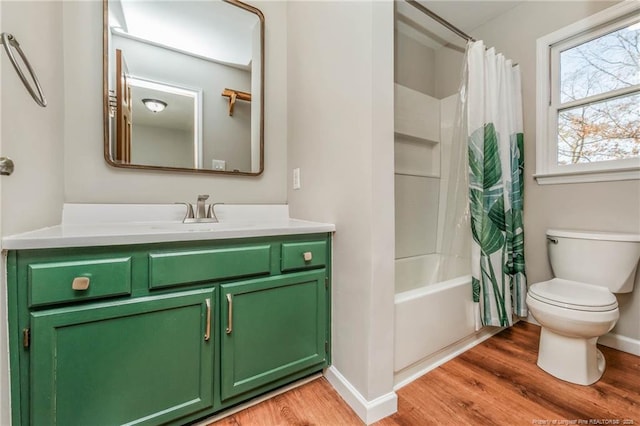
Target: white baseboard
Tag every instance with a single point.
(419, 369)
(621, 343)
(368, 411)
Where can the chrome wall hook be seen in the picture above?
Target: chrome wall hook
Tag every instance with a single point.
(8, 41)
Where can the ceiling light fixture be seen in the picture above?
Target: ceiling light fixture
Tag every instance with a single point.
(154, 105)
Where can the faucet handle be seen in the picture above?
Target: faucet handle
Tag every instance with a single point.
(189, 214)
(211, 213)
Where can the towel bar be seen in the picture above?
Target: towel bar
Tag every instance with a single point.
(8, 40)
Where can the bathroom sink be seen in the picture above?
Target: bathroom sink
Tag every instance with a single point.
(85, 225)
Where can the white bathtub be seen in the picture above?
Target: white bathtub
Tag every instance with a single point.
(422, 271)
(433, 319)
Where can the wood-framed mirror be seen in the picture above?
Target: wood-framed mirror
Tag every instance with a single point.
(184, 86)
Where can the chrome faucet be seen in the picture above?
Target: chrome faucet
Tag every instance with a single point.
(200, 206)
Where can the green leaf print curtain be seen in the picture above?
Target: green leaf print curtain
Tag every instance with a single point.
(495, 143)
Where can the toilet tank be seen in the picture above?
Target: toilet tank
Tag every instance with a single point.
(600, 258)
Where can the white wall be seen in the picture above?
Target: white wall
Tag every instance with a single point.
(417, 169)
(32, 136)
(87, 176)
(448, 71)
(416, 213)
(340, 95)
(414, 64)
(159, 146)
(612, 206)
(419, 178)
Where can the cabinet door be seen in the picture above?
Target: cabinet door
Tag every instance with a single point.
(144, 361)
(271, 328)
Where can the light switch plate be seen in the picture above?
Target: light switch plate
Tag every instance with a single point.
(296, 178)
(219, 165)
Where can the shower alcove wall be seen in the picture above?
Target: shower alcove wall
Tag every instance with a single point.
(433, 302)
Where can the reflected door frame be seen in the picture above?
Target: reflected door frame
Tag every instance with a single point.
(123, 110)
(196, 94)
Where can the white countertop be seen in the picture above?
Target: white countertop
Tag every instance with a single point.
(86, 225)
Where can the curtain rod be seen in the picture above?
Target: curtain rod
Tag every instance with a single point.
(440, 20)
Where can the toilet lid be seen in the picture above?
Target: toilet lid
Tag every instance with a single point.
(574, 295)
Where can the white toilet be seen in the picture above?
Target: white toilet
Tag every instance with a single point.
(578, 306)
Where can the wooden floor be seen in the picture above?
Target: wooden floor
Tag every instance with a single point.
(495, 383)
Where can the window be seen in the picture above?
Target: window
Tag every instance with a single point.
(588, 103)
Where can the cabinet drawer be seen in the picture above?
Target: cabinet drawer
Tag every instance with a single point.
(184, 267)
(305, 255)
(51, 283)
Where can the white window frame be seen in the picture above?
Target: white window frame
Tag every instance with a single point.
(547, 74)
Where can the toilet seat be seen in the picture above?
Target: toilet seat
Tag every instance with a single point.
(574, 295)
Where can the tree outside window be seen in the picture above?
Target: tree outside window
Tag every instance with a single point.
(599, 111)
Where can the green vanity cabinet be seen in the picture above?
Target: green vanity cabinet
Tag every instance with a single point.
(144, 361)
(164, 333)
(270, 329)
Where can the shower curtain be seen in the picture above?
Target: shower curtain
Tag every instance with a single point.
(495, 149)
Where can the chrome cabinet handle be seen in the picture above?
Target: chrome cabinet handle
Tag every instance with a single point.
(229, 314)
(80, 283)
(207, 331)
(9, 40)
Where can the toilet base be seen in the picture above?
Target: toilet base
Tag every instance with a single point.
(571, 359)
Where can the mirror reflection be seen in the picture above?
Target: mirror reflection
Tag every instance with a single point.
(167, 129)
(184, 85)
